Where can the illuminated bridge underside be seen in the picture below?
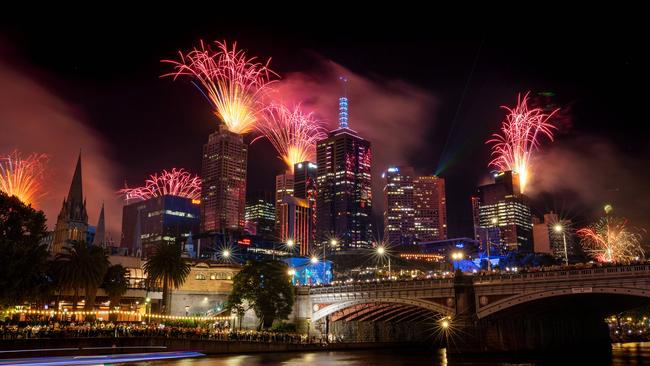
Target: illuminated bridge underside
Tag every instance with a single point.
(389, 312)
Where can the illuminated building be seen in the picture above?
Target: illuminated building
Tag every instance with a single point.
(399, 214)
(72, 222)
(343, 202)
(283, 188)
(430, 208)
(416, 208)
(304, 187)
(504, 216)
(223, 188)
(158, 219)
(260, 217)
(296, 223)
(550, 235)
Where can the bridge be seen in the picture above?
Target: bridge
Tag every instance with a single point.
(512, 311)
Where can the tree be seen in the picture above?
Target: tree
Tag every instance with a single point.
(23, 259)
(115, 284)
(82, 267)
(166, 267)
(264, 287)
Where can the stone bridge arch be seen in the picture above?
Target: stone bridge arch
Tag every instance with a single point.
(392, 307)
(486, 309)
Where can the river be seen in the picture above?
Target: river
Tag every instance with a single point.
(622, 354)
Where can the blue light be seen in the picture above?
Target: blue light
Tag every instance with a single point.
(343, 112)
(393, 169)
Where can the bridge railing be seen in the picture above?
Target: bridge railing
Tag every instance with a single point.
(570, 274)
(382, 286)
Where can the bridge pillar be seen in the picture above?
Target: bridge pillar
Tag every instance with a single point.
(302, 310)
(463, 335)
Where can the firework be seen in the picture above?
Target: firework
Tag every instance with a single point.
(519, 136)
(176, 182)
(233, 83)
(610, 240)
(293, 133)
(21, 177)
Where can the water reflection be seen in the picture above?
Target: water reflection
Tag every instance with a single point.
(622, 354)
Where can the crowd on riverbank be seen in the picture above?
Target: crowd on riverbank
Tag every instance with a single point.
(110, 330)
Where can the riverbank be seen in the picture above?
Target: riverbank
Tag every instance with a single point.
(100, 346)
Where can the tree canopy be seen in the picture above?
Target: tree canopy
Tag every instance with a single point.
(23, 258)
(264, 287)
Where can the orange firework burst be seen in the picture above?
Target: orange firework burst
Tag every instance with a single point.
(519, 138)
(610, 240)
(293, 133)
(233, 83)
(21, 177)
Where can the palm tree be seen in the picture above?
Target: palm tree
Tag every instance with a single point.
(82, 267)
(166, 267)
(115, 284)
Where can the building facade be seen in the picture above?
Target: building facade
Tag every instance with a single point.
(416, 208)
(399, 213)
(166, 219)
(296, 224)
(205, 290)
(72, 222)
(344, 195)
(554, 236)
(260, 217)
(223, 188)
(504, 216)
(283, 188)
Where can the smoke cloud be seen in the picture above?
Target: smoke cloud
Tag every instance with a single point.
(35, 119)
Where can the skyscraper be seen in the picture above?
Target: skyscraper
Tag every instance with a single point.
(399, 214)
(162, 219)
(72, 222)
(416, 208)
(223, 189)
(430, 222)
(344, 197)
(283, 188)
(296, 223)
(504, 216)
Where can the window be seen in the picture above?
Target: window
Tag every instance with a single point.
(200, 276)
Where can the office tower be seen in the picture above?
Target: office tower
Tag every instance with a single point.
(551, 234)
(223, 189)
(430, 208)
(260, 216)
(283, 188)
(344, 197)
(399, 213)
(296, 224)
(161, 219)
(505, 221)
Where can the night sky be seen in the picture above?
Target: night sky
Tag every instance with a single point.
(108, 75)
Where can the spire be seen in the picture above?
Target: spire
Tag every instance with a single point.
(343, 103)
(100, 234)
(76, 193)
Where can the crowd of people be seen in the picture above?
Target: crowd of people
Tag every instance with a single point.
(216, 331)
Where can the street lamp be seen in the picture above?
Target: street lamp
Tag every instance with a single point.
(187, 310)
(381, 251)
(148, 308)
(314, 260)
(333, 243)
(456, 256)
(225, 253)
(560, 229)
(494, 222)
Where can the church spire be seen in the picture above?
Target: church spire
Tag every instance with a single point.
(100, 234)
(76, 192)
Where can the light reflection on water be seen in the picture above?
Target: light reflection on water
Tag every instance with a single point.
(632, 354)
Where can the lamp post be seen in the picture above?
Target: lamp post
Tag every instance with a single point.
(225, 254)
(494, 222)
(560, 229)
(381, 251)
(187, 310)
(314, 261)
(333, 242)
(456, 256)
(148, 308)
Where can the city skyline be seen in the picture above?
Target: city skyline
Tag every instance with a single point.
(448, 156)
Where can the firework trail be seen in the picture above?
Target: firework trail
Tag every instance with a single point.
(232, 82)
(176, 182)
(293, 133)
(520, 131)
(21, 177)
(609, 240)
